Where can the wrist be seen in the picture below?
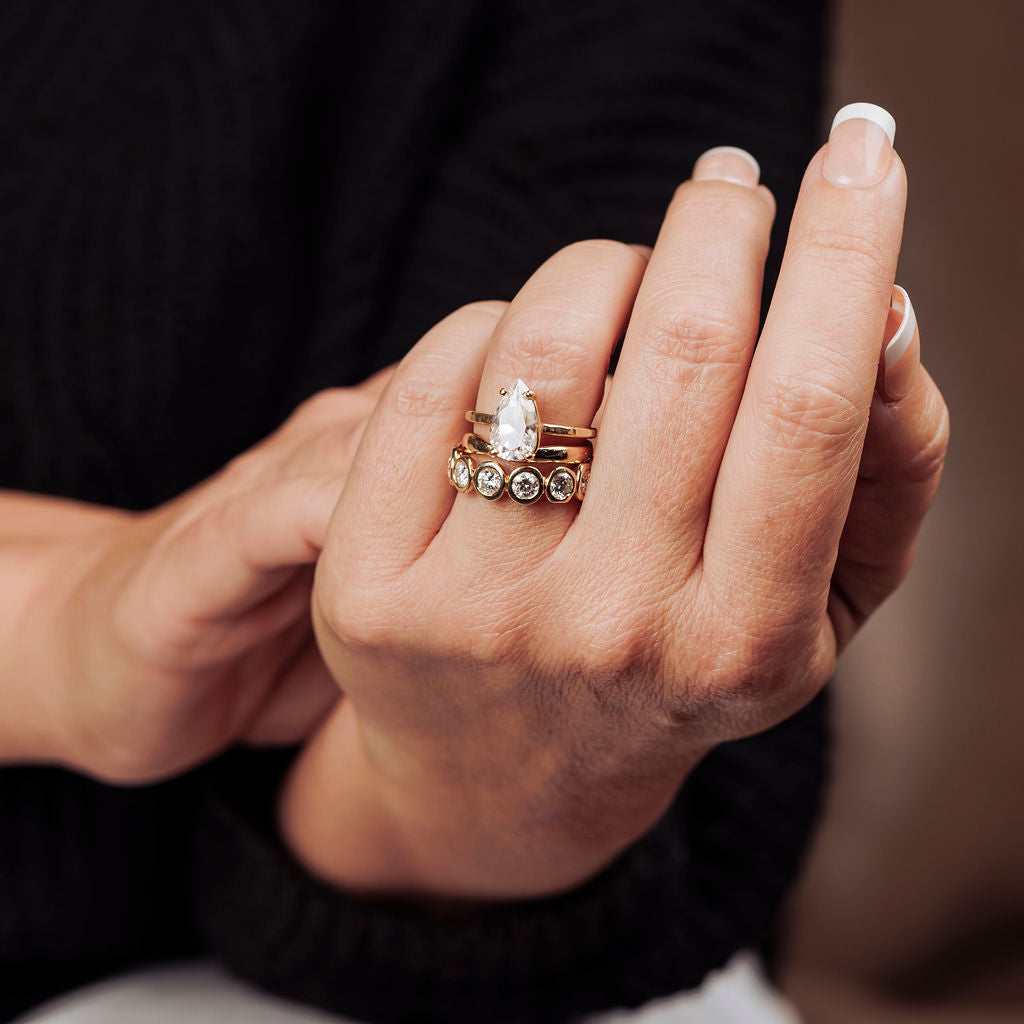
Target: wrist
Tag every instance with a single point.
(93, 657)
(46, 552)
(366, 829)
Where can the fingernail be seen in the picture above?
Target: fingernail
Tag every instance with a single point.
(859, 147)
(902, 354)
(727, 163)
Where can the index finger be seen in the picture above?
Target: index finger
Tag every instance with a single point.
(787, 478)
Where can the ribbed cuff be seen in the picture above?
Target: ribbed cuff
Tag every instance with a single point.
(705, 882)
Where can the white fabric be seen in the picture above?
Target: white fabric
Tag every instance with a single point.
(203, 994)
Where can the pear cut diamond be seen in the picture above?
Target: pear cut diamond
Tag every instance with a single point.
(516, 426)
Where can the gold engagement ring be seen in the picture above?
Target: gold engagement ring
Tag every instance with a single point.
(515, 436)
(516, 427)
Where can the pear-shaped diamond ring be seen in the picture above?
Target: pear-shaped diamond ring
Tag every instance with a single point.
(516, 430)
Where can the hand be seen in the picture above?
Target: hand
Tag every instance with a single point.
(182, 630)
(526, 688)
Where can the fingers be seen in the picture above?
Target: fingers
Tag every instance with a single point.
(791, 463)
(557, 336)
(232, 555)
(559, 332)
(685, 357)
(397, 495)
(904, 451)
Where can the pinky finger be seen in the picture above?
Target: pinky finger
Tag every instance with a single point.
(902, 462)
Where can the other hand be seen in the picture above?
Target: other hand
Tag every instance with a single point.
(184, 629)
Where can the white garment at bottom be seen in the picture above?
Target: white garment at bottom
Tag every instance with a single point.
(202, 993)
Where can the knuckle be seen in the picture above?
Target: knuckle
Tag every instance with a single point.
(247, 467)
(697, 339)
(758, 653)
(810, 410)
(361, 606)
(350, 618)
(341, 446)
(754, 671)
(416, 394)
(329, 451)
(724, 201)
(542, 351)
(229, 520)
(325, 403)
(769, 668)
(858, 257)
(501, 643)
(618, 639)
(592, 252)
(490, 309)
(601, 656)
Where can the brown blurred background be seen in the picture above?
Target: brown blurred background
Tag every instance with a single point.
(913, 904)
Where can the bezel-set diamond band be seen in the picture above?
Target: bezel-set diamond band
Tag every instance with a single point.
(516, 430)
(524, 484)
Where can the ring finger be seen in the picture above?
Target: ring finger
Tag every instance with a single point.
(557, 336)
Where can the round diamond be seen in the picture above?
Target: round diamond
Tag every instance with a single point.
(584, 480)
(525, 485)
(461, 474)
(561, 485)
(489, 480)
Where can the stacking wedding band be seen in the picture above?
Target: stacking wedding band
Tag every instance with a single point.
(516, 431)
(525, 484)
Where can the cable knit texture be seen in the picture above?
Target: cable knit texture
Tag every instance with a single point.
(210, 209)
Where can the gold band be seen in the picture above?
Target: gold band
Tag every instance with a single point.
(545, 428)
(570, 453)
(524, 485)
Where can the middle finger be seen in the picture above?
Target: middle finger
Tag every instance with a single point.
(685, 357)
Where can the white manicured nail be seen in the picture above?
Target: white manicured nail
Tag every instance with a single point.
(867, 112)
(903, 350)
(727, 163)
(859, 149)
(900, 341)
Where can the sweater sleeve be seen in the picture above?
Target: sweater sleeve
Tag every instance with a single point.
(705, 882)
(93, 879)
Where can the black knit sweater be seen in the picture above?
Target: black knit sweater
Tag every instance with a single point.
(210, 209)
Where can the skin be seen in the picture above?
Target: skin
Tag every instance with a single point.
(527, 689)
(135, 646)
(523, 691)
